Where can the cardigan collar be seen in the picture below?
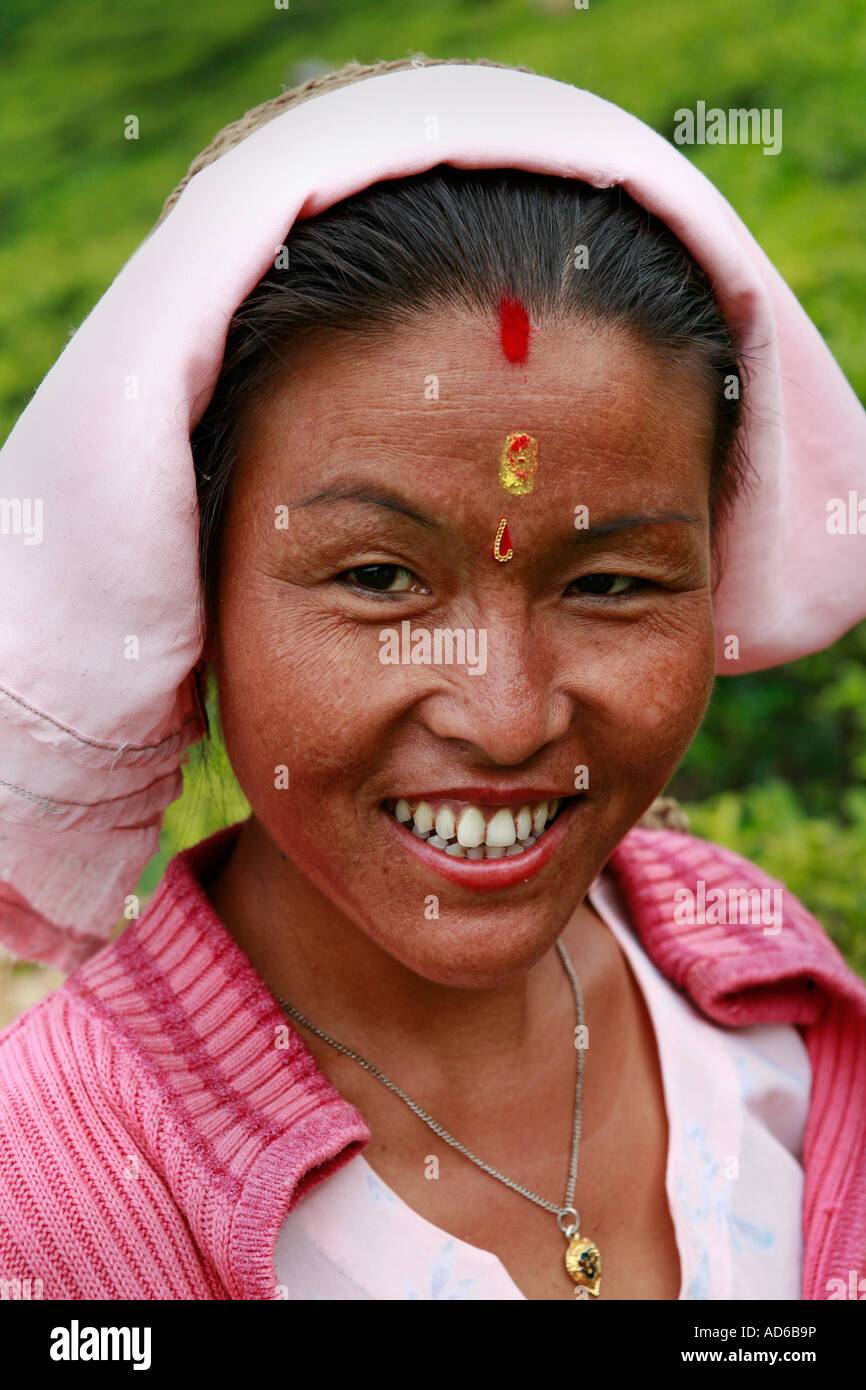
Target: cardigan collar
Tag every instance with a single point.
(243, 1122)
(736, 972)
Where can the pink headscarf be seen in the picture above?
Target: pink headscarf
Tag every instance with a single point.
(99, 619)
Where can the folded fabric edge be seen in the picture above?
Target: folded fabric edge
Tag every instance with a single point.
(187, 721)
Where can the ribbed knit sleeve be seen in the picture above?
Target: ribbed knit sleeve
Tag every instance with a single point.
(834, 1154)
(83, 1207)
(158, 1117)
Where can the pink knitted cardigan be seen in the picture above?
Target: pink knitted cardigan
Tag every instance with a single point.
(153, 1137)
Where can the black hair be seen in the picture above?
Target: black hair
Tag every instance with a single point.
(452, 237)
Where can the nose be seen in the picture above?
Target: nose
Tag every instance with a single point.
(512, 710)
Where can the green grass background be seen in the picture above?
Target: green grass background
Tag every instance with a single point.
(778, 771)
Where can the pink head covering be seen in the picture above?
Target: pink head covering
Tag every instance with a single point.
(99, 616)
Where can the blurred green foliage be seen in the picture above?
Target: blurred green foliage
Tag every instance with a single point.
(778, 771)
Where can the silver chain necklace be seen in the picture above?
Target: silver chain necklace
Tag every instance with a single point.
(582, 1257)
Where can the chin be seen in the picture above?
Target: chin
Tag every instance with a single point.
(479, 950)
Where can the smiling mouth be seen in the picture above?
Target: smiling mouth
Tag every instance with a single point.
(461, 830)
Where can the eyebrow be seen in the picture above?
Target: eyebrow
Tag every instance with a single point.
(374, 497)
(393, 502)
(624, 523)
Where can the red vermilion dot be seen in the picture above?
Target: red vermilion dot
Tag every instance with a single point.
(514, 329)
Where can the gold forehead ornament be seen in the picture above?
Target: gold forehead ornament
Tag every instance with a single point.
(519, 464)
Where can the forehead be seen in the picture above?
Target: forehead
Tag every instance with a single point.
(433, 401)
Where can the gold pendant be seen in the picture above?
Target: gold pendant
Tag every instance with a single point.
(583, 1262)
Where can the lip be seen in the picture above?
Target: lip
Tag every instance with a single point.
(486, 796)
(490, 875)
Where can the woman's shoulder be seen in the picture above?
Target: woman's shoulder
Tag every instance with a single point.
(59, 1136)
(43, 1040)
(89, 1199)
(700, 875)
(61, 1084)
(726, 929)
(92, 1046)
(82, 1087)
(676, 866)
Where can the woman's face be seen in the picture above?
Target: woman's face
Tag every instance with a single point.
(363, 516)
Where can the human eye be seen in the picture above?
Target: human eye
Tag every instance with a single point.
(382, 579)
(607, 585)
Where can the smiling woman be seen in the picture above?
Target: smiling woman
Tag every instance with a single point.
(575, 675)
(510, 390)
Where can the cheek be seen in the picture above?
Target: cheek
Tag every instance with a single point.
(295, 690)
(648, 692)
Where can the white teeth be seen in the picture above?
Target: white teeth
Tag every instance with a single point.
(509, 831)
(524, 823)
(500, 830)
(470, 828)
(445, 824)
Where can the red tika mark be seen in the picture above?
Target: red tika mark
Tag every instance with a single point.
(514, 329)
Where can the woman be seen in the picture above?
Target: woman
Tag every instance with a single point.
(493, 472)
